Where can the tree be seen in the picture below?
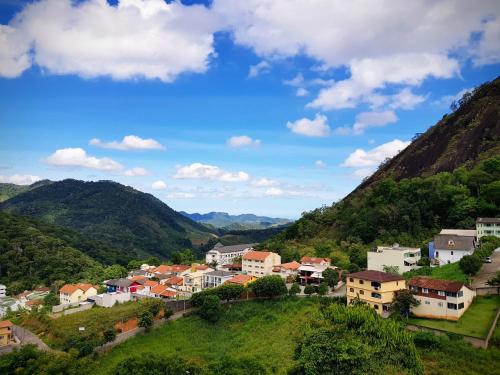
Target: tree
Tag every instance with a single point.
(269, 286)
(331, 277)
(50, 300)
(155, 306)
(470, 264)
(309, 289)
(210, 309)
(115, 272)
(391, 269)
(323, 289)
(294, 289)
(109, 335)
(145, 319)
(230, 291)
(402, 303)
(134, 264)
(494, 281)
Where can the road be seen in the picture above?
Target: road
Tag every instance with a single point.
(487, 271)
(25, 337)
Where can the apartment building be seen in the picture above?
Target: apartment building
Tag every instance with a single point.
(259, 263)
(221, 255)
(488, 226)
(404, 258)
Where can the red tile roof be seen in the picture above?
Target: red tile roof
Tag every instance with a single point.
(151, 283)
(291, 265)
(174, 280)
(201, 267)
(435, 284)
(34, 302)
(256, 255)
(168, 294)
(377, 276)
(240, 279)
(173, 268)
(138, 278)
(6, 323)
(68, 288)
(314, 260)
(158, 289)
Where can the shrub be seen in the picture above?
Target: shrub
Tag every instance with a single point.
(427, 340)
(269, 286)
(240, 366)
(331, 277)
(309, 289)
(294, 289)
(323, 289)
(145, 319)
(230, 291)
(210, 310)
(470, 264)
(109, 335)
(154, 364)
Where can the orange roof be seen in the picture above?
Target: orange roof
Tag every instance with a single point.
(68, 288)
(256, 255)
(174, 280)
(138, 278)
(173, 268)
(240, 279)
(85, 287)
(290, 266)
(139, 287)
(6, 323)
(34, 302)
(158, 289)
(151, 283)
(201, 267)
(314, 260)
(168, 294)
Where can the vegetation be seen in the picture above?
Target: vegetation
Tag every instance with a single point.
(494, 281)
(402, 303)
(450, 271)
(470, 264)
(145, 319)
(210, 309)
(475, 322)
(331, 277)
(269, 286)
(294, 289)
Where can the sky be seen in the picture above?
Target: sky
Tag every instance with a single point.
(272, 107)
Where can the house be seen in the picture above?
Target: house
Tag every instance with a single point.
(6, 332)
(174, 282)
(259, 263)
(311, 270)
(193, 281)
(164, 269)
(241, 280)
(124, 285)
(146, 288)
(74, 293)
(460, 232)
(3, 290)
(221, 255)
(450, 248)
(33, 298)
(215, 278)
(404, 258)
(287, 270)
(110, 299)
(440, 299)
(488, 226)
(163, 291)
(8, 304)
(374, 288)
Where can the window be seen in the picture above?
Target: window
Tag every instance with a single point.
(460, 293)
(376, 295)
(441, 293)
(451, 294)
(361, 292)
(452, 306)
(361, 281)
(375, 307)
(451, 243)
(351, 279)
(427, 302)
(452, 252)
(461, 306)
(351, 290)
(425, 290)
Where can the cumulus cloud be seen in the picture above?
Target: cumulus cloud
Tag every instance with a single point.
(19, 179)
(209, 172)
(159, 185)
(152, 39)
(362, 159)
(135, 172)
(264, 182)
(77, 157)
(366, 120)
(258, 69)
(446, 100)
(129, 142)
(317, 127)
(181, 195)
(243, 141)
(488, 49)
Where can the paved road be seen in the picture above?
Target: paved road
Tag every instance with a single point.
(27, 337)
(487, 271)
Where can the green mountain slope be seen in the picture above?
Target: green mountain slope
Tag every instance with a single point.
(236, 222)
(445, 179)
(137, 224)
(31, 255)
(8, 191)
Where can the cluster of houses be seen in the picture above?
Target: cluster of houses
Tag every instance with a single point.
(27, 300)
(439, 299)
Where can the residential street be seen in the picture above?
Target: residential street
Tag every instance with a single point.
(487, 271)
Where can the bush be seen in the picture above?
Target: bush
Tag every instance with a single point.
(154, 364)
(269, 286)
(198, 298)
(240, 366)
(211, 309)
(309, 289)
(427, 340)
(167, 312)
(109, 335)
(331, 277)
(145, 319)
(230, 291)
(470, 264)
(294, 289)
(323, 289)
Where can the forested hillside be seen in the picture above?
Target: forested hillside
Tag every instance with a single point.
(116, 216)
(8, 191)
(236, 222)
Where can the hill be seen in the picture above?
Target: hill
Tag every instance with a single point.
(8, 191)
(236, 222)
(117, 216)
(446, 178)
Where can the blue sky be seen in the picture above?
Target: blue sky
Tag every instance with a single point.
(267, 106)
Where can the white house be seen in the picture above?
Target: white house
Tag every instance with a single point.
(311, 269)
(450, 248)
(259, 263)
(488, 226)
(440, 299)
(9, 304)
(110, 299)
(404, 258)
(3, 290)
(215, 278)
(222, 255)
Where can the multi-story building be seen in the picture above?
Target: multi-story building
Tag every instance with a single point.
(73, 293)
(221, 255)
(311, 270)
(288, 271)
(3, 290)
(488, 226)
(259, 263)
(450, 248)
(193, 281)
(215, 278)
(6, 332)
(440, 299)
(404, 258)
(374, 288)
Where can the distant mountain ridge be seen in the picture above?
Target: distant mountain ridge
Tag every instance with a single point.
(8, 190)
(136, 223)
(236, 222)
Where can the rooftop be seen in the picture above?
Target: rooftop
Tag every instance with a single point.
(240, 279)
(6, 323)
(460, 232)
(233, 248)
(378, 276)
(396, 247)
(315, 260)
(256, 255)
(453, 242)
(220, 273)
(488, 220)
(435, 284)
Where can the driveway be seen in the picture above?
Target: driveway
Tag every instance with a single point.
(487, 271)
(27, 337)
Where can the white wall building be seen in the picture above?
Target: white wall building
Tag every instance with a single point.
(450, 248)
(3, 290)
(404, 258)
(110, 299)
(488, 226)
(215, 278)
(222, 255)
(259, 263)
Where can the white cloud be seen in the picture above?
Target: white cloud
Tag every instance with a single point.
(367, 120)
(446, 100)
(317, 127)
(77, 157)
(274, 192)
(159, 185)
(258, 69)
(372, 158)
(301, 92)
(264, 182)
(488, 49)
(135, 172)
(242, 141)
(18, 179)
(129, 142)
(150, 38)
(320, 164)
(209, 172)
(296, 81)
(181, 195)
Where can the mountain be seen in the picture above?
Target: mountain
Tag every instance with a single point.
(236, 222)
(445, 178)
(8, 191)
(120, 217)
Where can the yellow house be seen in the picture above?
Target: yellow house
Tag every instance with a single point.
(74, 293)
(6, 332)
(241, 280)
(375, 288)
(259, 263)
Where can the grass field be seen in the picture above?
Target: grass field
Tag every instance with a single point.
(447, 272)
(475, 322)
(263, 330)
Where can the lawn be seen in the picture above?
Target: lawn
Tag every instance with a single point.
(262, 330)
(447, 272)
(475, 322)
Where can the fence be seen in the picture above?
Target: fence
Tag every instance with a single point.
(487, 290)
(68, 309)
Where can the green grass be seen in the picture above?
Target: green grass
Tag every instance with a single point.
(447, 272)
(263, 330)
(475, 322)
